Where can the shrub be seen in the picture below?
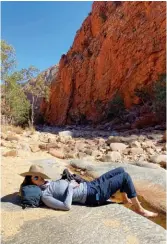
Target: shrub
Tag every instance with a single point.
(144, 95)
(155, 96)
(17, 106)
(159, 101)
(78, 118)
(116, 107)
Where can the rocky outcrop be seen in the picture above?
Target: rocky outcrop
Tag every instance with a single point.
(120, 47)
(48, 75)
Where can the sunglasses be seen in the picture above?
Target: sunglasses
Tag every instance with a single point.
(36, 177)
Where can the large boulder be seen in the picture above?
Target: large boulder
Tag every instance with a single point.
(136, 151)
(34, 148)
(57, 153)
(111, 157)
(158, 159)
(24, 147)
(12, 137)
(65, 134)
(11, 153)
(134, 144)
(118, 147)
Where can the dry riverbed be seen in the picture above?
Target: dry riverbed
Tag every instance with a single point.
(19, 149)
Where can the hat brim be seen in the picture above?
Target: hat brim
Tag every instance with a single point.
(35, 174)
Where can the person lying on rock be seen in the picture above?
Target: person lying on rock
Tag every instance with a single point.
(60, 194)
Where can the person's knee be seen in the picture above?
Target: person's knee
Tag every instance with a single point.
(121, 169)
(126, 175)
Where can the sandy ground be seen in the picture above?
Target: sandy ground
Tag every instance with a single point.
(13, 217)
(11, 167)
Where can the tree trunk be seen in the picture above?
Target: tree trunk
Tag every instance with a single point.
(32, 111)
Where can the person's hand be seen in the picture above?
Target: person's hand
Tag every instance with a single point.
(74, 184)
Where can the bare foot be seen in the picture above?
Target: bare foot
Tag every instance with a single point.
(146, 213)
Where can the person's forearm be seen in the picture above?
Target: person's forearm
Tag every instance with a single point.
(68, 200)
(52, 202)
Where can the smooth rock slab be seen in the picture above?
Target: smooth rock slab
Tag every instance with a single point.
(146, 164)
(150, 183)
(107, 224)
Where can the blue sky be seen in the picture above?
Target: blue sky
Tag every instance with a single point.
(41, 32)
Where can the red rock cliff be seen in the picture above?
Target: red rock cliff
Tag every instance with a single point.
(120, 47)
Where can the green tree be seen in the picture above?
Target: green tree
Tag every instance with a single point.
(38, 89)
(18, 104)
(8, 59)
(8, 63)
(19, 86)
(14, 102)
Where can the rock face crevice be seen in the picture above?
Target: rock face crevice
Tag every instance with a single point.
(119, 47)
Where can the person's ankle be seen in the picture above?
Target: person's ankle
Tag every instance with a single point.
(139, 208)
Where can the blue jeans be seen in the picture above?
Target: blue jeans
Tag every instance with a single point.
(102, 188)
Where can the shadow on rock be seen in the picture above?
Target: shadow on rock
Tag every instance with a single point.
(103, 204)
(13, 198)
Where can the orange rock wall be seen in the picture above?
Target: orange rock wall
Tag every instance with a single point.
(119, 47)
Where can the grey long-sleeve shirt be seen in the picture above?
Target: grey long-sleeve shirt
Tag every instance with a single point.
(60, 194)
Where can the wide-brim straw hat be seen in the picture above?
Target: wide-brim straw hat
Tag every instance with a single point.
(36, 170)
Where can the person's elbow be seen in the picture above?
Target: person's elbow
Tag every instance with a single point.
(67, 208)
